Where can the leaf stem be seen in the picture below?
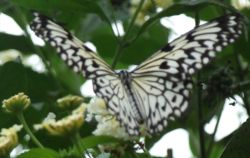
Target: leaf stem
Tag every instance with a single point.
(27, 129)
(123, 43)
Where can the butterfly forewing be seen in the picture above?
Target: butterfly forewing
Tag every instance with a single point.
(191, 51)
(77, 55)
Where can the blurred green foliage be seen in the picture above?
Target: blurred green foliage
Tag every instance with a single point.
(92, 21)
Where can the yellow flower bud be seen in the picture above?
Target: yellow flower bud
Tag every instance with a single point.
(65, 126)
(16, 103)
(69, 102)
(8, 139)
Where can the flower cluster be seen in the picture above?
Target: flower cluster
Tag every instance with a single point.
(16, 103)
(69, 102)
(107, 123)
(8, 139)
(65, 126)
(96, 109)
(68, 125)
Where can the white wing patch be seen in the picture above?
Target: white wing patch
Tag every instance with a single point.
(158, 89)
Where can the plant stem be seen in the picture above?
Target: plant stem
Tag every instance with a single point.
(75, 140)
(200, 118)
(123, 41)
(240, 86)
(210, 144)
(27, 129)
(144, 149)
(199, 100)
(80, 147)
(118, 36)
(241, 76)
(170, 153)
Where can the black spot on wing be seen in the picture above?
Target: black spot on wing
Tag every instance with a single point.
(164, 65)
(167, 48)
(95, 65)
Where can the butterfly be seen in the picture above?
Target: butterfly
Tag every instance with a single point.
(158, 89)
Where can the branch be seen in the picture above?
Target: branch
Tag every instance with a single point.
(123, 43)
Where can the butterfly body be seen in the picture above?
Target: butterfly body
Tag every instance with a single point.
(158, 89)
(132, 98)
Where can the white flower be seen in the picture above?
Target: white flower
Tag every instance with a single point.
(109, 126)
(97, 106)
(107, 123)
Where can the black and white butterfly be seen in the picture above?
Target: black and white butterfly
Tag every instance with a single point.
(158, 89)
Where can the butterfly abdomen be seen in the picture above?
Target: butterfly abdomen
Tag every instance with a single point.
(133, 100)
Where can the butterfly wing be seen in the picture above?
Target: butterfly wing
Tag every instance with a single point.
(191, 51)
(77, 55)
(161, 100)
(81, 59)
(162, 82)
(112, 91)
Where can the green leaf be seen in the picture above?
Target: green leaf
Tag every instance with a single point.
(12, 79)
(139, 50)
(17, 78)
(93, 141)
(15, 42)
(69, 79)
(39, 153)
(216, 150)
(239, 144)
(147, 44)
(77, 7)
(41, 87)
(194, 142)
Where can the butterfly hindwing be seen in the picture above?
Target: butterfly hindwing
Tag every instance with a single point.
(115, 96)
(162, 100)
